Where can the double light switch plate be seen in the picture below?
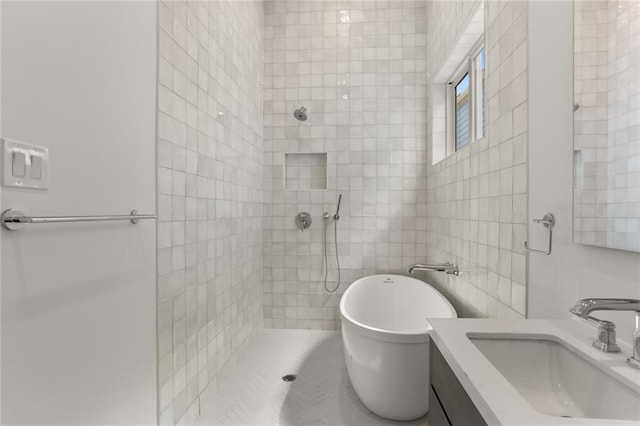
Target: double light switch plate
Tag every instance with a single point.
(24, 165)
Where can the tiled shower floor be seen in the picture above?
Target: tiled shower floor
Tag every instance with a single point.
(253, 392)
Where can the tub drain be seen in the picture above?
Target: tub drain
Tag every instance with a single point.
(289, 377)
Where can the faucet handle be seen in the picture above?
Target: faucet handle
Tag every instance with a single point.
(634, 361)
(606, 339)
(451, 269)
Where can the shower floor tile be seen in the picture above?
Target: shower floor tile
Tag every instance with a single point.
(253, 392)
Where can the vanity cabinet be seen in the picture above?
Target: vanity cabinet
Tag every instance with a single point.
(449, 404)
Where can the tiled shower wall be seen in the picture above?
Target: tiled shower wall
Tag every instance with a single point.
(359, 69)
(209, 155)
(477, 203)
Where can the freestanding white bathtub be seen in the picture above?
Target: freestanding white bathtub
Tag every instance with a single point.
(386, 342)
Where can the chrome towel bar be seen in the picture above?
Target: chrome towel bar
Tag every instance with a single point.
(11, 219)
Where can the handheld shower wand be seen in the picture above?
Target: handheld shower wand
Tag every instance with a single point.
(326, 218)
(337, 215)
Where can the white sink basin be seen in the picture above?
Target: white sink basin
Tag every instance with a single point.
(557, 380)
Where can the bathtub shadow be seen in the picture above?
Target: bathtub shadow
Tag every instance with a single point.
(323, 394)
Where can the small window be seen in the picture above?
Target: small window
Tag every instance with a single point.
(467, 117)
(463, 112)
(479, 72)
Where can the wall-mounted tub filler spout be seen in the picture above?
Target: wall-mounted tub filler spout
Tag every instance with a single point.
(606, 340)
(446, 267)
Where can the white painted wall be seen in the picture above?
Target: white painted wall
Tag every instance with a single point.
(78, 300)
(572, 271)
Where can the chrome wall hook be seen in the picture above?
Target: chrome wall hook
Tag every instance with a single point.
(548, 221)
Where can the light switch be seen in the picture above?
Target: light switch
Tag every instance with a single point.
(18, 163)
(36, 167)
(24, 165)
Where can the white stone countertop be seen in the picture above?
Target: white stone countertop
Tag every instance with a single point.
(496, 399)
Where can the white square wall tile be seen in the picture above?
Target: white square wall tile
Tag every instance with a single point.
(362, 106)
(210, 184)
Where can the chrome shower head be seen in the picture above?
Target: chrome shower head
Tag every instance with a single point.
(300, 114)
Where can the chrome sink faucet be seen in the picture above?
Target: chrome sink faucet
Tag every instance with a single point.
(606, 340)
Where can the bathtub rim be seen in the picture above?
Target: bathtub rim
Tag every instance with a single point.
(391, 335)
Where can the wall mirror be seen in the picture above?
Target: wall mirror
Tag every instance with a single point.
(606, 202)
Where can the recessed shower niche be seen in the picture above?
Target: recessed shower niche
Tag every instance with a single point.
(305, 170)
